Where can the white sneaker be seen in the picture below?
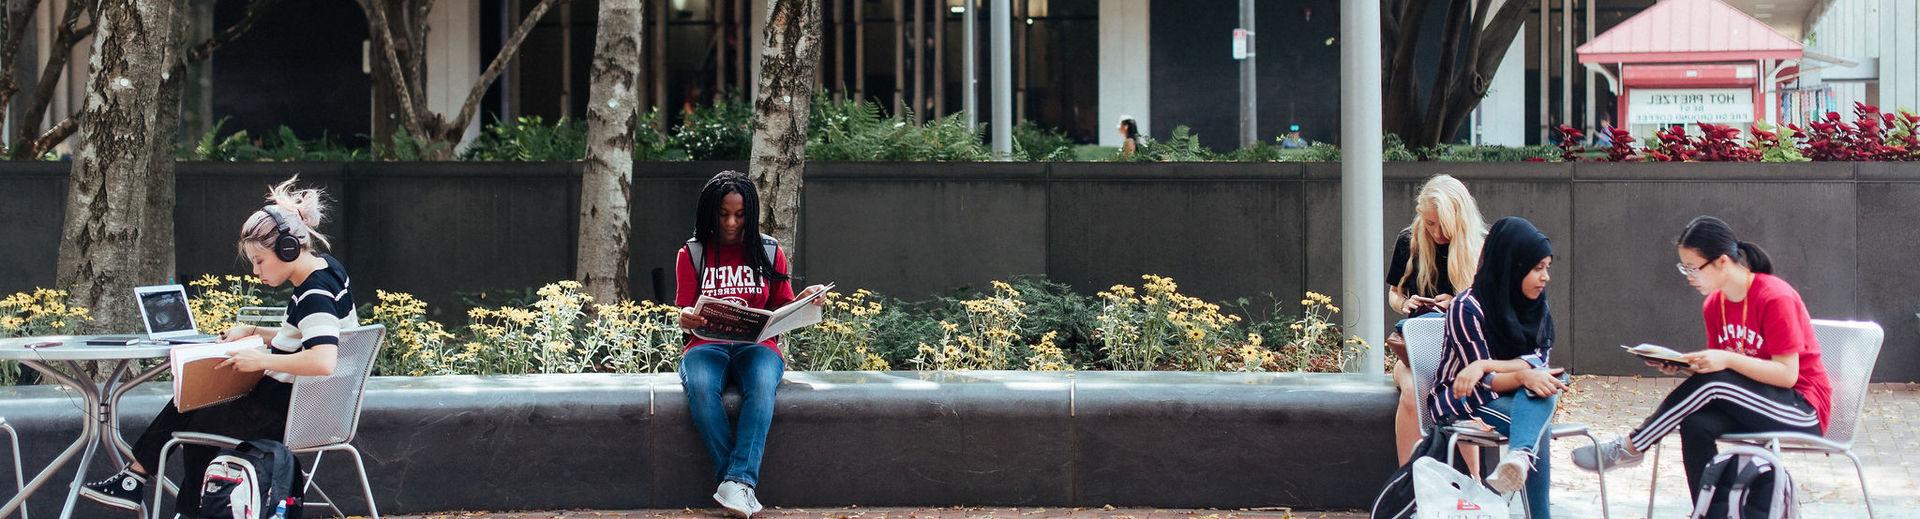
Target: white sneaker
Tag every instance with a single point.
(736, 498)
(754, 498)
(1511, 475)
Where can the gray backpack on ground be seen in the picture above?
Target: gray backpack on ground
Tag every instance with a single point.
(1745, 482)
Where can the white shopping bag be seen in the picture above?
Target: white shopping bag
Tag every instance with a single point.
(1439, 492)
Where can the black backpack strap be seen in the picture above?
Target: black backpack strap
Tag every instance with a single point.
(696, 254)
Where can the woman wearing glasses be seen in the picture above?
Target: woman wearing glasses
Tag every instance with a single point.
(1761, 370)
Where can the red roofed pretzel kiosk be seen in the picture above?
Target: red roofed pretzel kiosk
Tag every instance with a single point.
(1689, 61)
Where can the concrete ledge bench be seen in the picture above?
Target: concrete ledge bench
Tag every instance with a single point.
(1085, 439)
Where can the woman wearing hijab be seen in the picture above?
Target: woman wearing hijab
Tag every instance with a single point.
(1499, 334)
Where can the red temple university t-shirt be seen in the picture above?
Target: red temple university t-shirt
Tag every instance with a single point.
(1771, 321)
(728, 277)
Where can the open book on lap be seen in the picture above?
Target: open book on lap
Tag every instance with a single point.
(1660, 354)
(199, 381)
(730, 322)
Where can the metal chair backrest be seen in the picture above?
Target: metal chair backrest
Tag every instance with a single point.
(1426, 343)
(326, 410)
(1848, 349)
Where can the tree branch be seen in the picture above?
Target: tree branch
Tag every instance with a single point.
(1490, 48)
(383, 30)
(56, 66)
(59, 132)
(203, 50)
(17, 20)
(507, 52)
(1438, 99)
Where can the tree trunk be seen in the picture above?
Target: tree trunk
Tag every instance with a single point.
(1460, 82)
(100, 257)
(606, 190)
(156, 236)
(196, 89)
(399, 34)
(787, 66)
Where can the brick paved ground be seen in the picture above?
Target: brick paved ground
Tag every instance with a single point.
(1890, 445)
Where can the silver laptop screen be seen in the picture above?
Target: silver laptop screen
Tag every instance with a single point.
(166, 312)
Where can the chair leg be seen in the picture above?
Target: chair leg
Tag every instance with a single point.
(158, 474)
(1862, 472)
(1602, 473)
(314, 488)
(1653, 484)
(19, 476)
(366, 488)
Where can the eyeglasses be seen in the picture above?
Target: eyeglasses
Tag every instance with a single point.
(1689, 271)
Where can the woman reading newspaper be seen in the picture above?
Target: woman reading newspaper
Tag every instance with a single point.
(1761, 371)
(279, 240)
(729, 260)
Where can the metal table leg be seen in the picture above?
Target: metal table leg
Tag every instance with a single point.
(99, 428)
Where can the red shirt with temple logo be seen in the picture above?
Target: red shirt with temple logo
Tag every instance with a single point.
(726, 275)
(1772, 321)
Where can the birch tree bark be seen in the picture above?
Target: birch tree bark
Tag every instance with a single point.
(111, 184)
(788, 59)
(606, 189)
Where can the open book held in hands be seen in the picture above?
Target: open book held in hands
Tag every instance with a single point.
(1660, 354)
(728, 321)
(199, 381)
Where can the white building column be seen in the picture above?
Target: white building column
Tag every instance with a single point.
(453, 59)
(1503, 111)
(1125, 67)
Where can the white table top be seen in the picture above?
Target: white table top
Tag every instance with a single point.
(75, 347)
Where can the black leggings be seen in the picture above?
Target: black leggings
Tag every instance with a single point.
(262, 414)
(1709, 405)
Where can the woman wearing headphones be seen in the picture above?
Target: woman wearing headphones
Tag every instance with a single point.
(280, 241)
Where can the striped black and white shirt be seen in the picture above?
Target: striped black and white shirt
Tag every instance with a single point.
(321, 306)
(1466, 342)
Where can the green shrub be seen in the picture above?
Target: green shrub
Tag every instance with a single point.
(1032, 142)
(530, 139)
(718, 131)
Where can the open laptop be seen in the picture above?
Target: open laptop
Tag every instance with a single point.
(164, 309)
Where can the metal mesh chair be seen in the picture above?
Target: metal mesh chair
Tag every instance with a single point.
(322, 416)
(19, 476)
(1849, 350)
(1426, 344)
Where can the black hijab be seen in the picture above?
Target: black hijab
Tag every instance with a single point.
(1516, 325)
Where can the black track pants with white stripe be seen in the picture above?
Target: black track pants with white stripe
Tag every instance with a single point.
(1709, 405)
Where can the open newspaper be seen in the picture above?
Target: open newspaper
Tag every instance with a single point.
(1660, 354)
(730, 322)
(199, 382)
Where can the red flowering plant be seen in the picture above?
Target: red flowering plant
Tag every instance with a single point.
(1721, 143)
(1671, 144)
(1623, 150)
(1774, 144)
(1570, 148)
(1871, 136)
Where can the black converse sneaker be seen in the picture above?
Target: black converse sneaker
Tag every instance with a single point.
(122, 490)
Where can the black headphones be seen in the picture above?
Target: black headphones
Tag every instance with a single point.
(285, 245)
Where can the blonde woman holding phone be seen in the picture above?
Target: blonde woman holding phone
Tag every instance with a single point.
(1435, 258)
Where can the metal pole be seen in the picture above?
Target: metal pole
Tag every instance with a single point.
(970, 86)
(1249, 103)
(919, 61)
(1002, 62)
(1566, 62)
(899, 56)
(1361, 244)
(1593, 114)
(940, 60)
(840, 50)
(860, 50)
(1546, 74)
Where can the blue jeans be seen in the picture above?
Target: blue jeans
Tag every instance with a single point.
(1523, 418)
(706, 371)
